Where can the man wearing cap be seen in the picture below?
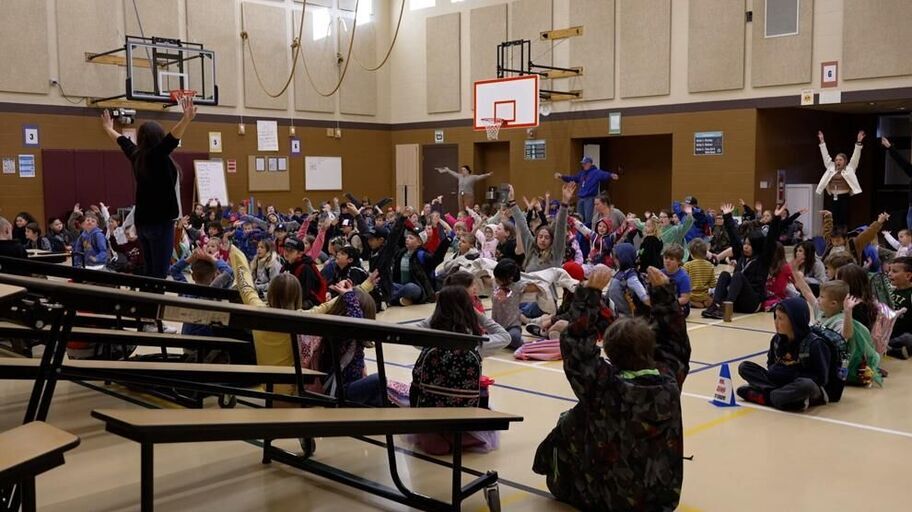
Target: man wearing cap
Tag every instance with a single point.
(589, 180)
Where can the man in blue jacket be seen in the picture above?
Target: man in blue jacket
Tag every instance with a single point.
(588, 180)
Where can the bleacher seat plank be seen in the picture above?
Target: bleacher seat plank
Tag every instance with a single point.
(8, 292)
(189, 425)
(141, 338)
(31, 449)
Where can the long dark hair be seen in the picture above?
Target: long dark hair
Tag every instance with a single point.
(454, 312)
(859, 284)
(149, 135)
(810, 256)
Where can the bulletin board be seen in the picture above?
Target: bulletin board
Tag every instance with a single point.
(268, 173)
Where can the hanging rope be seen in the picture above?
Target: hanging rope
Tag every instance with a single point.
(348, 58)
(295, 50)
(392, 43)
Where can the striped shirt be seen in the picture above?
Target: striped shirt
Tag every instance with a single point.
(702, 278)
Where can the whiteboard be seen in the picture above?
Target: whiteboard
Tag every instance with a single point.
(210, 181)
(323, 173)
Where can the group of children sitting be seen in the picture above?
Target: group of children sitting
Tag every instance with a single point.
(625, 281)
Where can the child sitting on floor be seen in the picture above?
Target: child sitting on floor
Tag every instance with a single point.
(903, 246)
(835, 308)
(900, 345)
(507, 296)
(797, 364)
(702, 274)
(673, 255)
(620, 447)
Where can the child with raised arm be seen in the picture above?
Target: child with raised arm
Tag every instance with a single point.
(629, 407)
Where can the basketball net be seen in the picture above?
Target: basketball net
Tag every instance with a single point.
(178, 94)
(492, 126)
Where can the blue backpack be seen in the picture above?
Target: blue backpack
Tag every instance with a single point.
(839, 359)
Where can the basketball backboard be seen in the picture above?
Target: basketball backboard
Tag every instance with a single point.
(513, 99)
(156, 66)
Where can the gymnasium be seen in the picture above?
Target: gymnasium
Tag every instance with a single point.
(478, 255)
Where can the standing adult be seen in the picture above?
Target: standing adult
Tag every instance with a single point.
(466, 184)
(157, 179)
(839, 180)
(588, 179)
(605, 210)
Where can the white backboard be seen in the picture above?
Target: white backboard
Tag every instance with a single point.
(513, 99)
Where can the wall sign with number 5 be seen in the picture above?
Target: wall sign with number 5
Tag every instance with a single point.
(30, 135)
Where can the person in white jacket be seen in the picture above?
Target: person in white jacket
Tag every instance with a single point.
(839, 181)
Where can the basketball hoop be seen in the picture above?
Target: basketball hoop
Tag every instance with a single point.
(178, 94)
(492, 126)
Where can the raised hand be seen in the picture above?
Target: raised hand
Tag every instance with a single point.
(511, 196)
(886, 142)
(883, 217)
(779, 210)
(849, 303)
(656, 277)
(186, 104)
(687, 209)
(860, 137)
(343, 287)
(107, 122)
(557, 175)
(820, 136)
(568, 190)
(727, 208)
(742, 202)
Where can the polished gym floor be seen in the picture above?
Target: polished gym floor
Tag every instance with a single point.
(848, 456)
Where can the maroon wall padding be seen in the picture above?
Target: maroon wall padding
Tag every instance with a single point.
(59, 183)
(89, 177)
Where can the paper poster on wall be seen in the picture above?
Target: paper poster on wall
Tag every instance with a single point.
(267, 136)
(273, 163)
(295, 146)
(210, 180)
(614, 123)
(30, 135)
(9, 166)
(215, 142)
(283, 163)
(26, 166)
(129, 133)
(323, 173)
(232, 166)
(260, 164)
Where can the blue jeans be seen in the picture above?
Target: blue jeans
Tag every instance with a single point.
(365, 391)
(157, 242)
(516, 340)
(585, 206)
(531, 310)
(410, 291)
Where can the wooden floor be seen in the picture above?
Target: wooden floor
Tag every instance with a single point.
(847, 456)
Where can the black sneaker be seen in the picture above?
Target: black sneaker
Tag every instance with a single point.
(750, 394)
(713, 312)
(534, 330)
(899, 353)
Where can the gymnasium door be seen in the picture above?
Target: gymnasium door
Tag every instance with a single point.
(435, 184)
(407, 166)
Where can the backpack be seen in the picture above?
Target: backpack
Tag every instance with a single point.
(839, 359)
(446, 378)
(636, 306)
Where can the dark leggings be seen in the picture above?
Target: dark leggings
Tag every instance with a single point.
(157, 242)
(840, 209)
(736, 289)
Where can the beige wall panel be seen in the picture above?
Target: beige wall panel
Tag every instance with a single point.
(266, 27)
(715, 45)
(487, 29)
(159, 18)
(528, 19)
(782, 60)
(24, 62)
(321, 62)
(443, 64)
(876, 38)
(214, 24)
(644, 30)
(594, 50)
(358, 94)
(78, 77)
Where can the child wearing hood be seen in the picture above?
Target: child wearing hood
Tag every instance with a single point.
(626, 290)
(746, 286)
(797, 364)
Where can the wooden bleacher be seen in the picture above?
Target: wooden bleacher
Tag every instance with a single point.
(26, 452)
(62, 300)
(151, 427)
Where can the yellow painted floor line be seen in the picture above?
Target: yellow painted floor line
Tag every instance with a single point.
(737, 413)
